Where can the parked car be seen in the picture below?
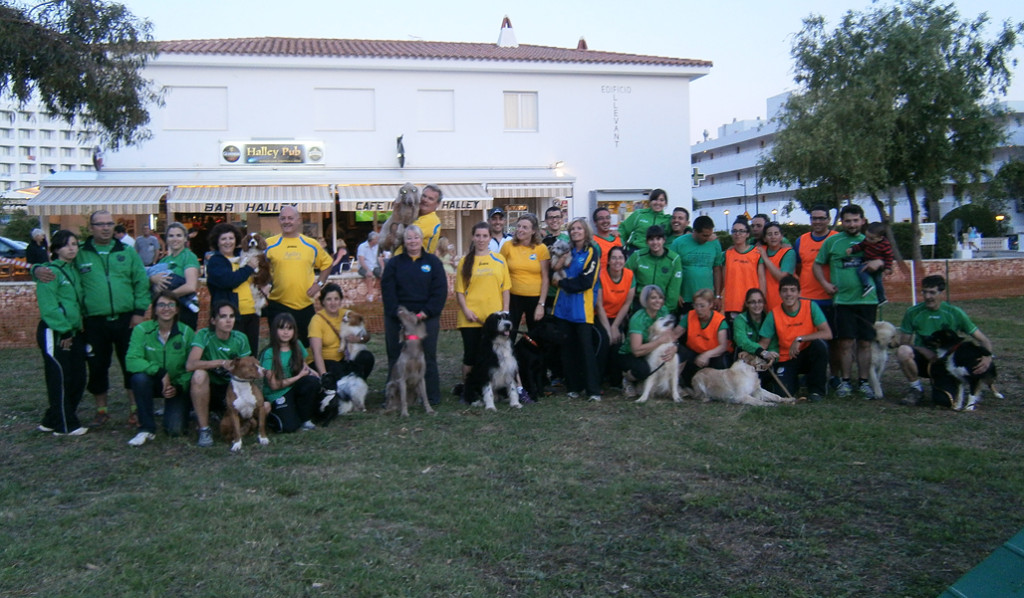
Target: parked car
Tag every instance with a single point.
(12, 249)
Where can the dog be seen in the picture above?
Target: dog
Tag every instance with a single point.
(407, 375)
(244, 401)
(341, 397)
(254, 245)
(404, 211)
(738, 384)
(664, 378)
(561, 255)
(496, 367)
(954, 368)
(885, 339)
(533, 351)
(352, 324)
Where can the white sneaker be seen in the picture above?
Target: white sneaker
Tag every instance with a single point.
(75, 432)
(628, 388)
(43, 428)
(573, 395)
(595, 398)
(308, 425)
(141, 438)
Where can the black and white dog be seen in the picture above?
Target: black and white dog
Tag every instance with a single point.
(954, 369)
(495, 368)
(341, 396)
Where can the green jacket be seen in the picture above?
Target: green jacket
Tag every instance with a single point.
(60, 301)
(115, 283)
(633, 230)
(665, 271)
(147, 355)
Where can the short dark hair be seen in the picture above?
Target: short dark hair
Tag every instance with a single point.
(703, 223)
(548, 211)
(877, 228)
(820, 208)
(851, 208)
(120, 229)
(654, 232)
(219, 229)
(789, 281)
(331, 287)
(683, 210)
(934, 281)
(763, 217)
(593, 216)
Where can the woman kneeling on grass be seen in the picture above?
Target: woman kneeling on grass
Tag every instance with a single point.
(209, 360)
(632, 356)
(707, 337)
(291, 387)
(60, 338)
(156, 360)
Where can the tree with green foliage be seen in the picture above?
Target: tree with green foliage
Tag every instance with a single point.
(1006, 189)
(83, 59)
(901, 96)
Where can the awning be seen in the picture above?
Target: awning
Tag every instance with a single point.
(69, 201)
(242, 199)
(525, 190)
(365, 198)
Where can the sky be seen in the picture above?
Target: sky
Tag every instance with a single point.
(747, 40)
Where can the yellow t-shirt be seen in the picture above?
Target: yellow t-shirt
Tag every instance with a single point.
(292, 261)
(524, 267)
(246, 304)
(328, 330)
(430, 224)
(483, 296)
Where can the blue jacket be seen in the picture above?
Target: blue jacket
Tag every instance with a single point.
(419, 285)
(574, 301)
(222, 280)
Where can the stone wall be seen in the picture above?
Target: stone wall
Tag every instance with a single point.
(968, 279)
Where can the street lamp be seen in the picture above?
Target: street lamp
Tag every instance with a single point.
(774, 212)
(744, 185)
(726, 220)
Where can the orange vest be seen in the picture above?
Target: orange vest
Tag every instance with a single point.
(740, 277)
(788, 327)
(605, 247)
(613, 296)
(809, 248)
(701, 339)
(772, 298)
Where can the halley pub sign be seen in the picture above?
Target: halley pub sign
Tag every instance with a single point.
(249, 153)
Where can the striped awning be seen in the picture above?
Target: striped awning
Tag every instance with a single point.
(241, 199)
(70, 201)
(365, 198)
(527, 190)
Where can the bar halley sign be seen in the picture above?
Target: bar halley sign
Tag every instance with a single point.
(255, 153)
(226, 207)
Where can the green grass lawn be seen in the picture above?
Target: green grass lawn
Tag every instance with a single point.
(562, 498)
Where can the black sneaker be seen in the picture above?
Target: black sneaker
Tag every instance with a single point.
(457, 390)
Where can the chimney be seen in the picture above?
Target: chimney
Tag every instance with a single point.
(582, 45)
(507, 37)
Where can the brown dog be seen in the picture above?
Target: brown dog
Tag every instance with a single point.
(254, 245)
(404, 211)
(407, 374)
(244, 401)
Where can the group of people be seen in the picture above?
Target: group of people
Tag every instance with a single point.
(806, 307)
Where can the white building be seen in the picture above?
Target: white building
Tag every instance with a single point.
(251, 124)
(34, 144)
(728, 165)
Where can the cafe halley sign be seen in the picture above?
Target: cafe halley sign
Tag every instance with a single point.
(258, 153)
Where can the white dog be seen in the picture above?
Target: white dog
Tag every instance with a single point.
(664, 376)
(560, 258)
(738, 384)
(885, 338)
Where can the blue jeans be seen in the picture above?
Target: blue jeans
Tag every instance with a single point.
(176, 408)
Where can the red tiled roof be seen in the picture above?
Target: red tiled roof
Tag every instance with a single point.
(362, 48)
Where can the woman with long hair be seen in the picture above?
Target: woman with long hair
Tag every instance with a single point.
(777, 260)
(481, 288)
(60, 338)
(156, 360)
(291, 387)
(209, 360)
(181, 261)
(615, 296)
(528, 262)
(741, 269)
(330, 354)
(746, 329)
(229, 280)
(574, 306)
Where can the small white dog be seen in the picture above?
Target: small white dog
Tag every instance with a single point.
(738, 384)
(885, 338)
(561, 254)
(664, 378)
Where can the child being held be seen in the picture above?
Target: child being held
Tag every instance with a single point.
(875, 247)
(190, 301)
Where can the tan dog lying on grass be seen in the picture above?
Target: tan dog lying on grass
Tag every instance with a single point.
(738, 384)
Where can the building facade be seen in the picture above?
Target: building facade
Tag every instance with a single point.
(34, 145)
(336, 126)
(728, 167)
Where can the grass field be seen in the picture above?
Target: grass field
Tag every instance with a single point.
(562, 498)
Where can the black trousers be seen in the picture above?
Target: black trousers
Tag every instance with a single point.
(579, 358)
(518, 305)
(105, 337)
(65, 378)
(812, 362)
(302, 401)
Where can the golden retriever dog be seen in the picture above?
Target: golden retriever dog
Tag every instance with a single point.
(885, 339)
(664, 378)
(407, 376)
(253, 244)
(244, 401)
(738, 384)
(404, 211)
